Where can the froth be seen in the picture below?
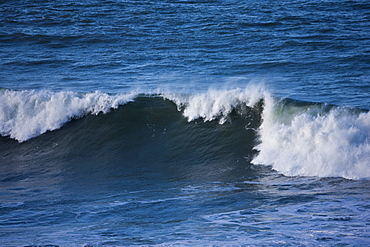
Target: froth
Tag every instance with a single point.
(313, 142)
(27, 114)
(296, 139)
(217, 104)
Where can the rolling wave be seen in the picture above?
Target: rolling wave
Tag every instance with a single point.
(27, 114)
(315, 140)
(294, 138)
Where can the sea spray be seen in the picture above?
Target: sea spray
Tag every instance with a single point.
(218, 104)
(295, 138)
(315, 140)
(29, 113)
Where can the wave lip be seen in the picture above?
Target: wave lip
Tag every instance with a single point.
(315, 141)
(217, 104)
(28, 113)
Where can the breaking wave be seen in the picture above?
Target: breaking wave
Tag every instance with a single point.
(295, 138)
(27, 114)
(315, 140)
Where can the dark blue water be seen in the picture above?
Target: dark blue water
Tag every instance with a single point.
(307, 49)
(185, 123)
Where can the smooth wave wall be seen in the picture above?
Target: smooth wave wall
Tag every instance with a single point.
(27, 114)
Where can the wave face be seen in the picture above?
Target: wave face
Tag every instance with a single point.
(297, 138)
(294, 138)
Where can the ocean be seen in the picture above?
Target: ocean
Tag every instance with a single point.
(185, 123)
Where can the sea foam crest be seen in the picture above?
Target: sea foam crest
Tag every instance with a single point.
(295, 139)
(28, 113)
(217, 104)
(311, 142)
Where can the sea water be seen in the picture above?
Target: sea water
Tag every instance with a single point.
(184, 123)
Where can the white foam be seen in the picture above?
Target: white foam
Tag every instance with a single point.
(295, 140)
(27, 114)
(215, 104)
(310, 142)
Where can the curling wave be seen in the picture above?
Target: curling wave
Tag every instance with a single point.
(294, 138)
(27, 114)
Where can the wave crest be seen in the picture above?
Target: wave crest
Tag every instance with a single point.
(217, 104)
(294, 138)
(28, 113)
